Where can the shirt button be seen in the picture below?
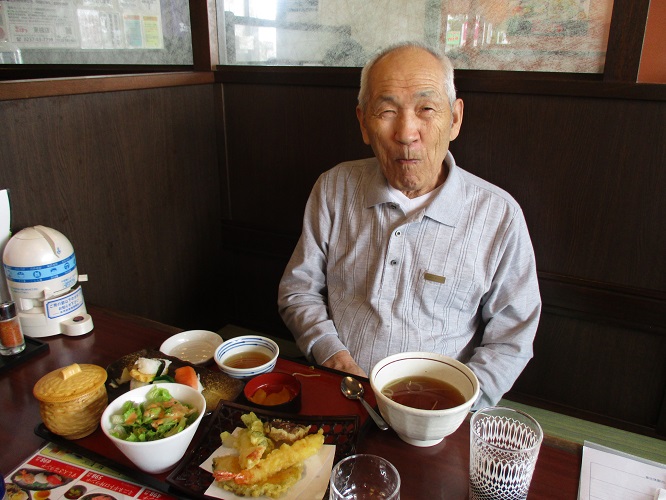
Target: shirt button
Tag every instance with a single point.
(398, 233)
(394, 262)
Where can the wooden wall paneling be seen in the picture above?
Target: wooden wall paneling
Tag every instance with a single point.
(621, 306)
(131, 178)
(600, 372)
(625, 40)
(221, 146)
(617, 330)
(588, 174)
(256, 260)
(279, 139)
(204, 34)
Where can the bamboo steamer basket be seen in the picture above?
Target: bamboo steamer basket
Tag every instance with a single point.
(72, 399)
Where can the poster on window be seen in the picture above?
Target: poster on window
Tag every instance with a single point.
(84, 24)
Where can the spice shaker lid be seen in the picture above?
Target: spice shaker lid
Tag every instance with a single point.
(7, 310)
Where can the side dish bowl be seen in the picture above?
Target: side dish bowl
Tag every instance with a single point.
(247, 356)
(416, 426)
(194, 346)
(275, 391)
(156, 457)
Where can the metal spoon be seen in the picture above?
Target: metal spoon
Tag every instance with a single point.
(352, 389)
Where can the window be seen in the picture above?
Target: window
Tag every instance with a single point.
(523, 35)
(99, 32)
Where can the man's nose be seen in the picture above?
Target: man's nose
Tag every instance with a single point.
(406, 128)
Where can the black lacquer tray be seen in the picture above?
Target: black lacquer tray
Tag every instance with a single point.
(32, 347)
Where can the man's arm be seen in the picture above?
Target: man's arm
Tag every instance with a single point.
(510, 311)
(303, 293)
(343, 362)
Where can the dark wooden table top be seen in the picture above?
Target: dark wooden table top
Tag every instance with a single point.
(441, 471)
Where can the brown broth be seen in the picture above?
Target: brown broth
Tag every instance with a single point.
(248, 359)
(425, 393)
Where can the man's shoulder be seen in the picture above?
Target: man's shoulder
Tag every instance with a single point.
(349, 173)
(357, 166)
(488, 188)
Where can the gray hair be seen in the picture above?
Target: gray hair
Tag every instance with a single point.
(447, 67)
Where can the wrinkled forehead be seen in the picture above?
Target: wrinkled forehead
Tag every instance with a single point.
(411, 72)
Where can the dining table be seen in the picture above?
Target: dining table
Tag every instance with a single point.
(439, 471)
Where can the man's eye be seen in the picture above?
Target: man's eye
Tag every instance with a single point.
(386, 113)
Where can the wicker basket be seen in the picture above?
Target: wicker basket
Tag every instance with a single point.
(72, 399)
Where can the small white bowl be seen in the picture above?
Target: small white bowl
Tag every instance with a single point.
(413, 425)
(156, 457)
(246, 344)
(194, 346)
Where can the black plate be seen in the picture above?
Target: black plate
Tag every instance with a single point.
(217, 385)
(339, 430)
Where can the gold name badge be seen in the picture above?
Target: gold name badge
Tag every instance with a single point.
(434, 277)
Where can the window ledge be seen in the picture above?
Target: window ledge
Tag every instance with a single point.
(28, 89)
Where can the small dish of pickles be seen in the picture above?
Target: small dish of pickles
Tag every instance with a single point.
(275, 391)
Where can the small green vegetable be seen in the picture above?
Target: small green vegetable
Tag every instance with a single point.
(158, 417)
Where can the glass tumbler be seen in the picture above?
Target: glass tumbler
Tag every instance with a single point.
(362, 477)
(504, 446)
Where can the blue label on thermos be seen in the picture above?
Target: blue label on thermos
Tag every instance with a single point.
(36, 274)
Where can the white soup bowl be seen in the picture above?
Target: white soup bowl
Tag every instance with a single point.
(413, 425)
(246, 344)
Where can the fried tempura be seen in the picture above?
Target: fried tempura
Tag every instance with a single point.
(259, 469)
(282, 458)
(283, 431)
(274, 487)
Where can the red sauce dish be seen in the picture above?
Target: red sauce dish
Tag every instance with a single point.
(274, 391)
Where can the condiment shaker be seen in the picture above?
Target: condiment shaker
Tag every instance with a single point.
(12, 340)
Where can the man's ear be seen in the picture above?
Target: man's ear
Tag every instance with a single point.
(456, 119)
(361, 122)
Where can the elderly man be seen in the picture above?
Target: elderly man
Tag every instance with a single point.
(407, 251)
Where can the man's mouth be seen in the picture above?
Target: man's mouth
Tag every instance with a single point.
(408, 157)
(408, 161)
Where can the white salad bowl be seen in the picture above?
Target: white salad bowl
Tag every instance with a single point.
(156, 457)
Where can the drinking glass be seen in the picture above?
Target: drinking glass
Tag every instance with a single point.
(364, 476)
(504, 446)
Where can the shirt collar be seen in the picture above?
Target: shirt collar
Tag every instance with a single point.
(445, 208)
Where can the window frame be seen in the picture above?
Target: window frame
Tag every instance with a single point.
(623, 55)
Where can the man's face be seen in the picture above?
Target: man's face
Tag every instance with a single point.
(408, 120)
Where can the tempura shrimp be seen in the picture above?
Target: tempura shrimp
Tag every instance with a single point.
(281, 458)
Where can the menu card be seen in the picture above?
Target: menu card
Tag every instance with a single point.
(608, 473)
(55, 473)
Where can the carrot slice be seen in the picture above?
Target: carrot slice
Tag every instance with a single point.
(187, 376)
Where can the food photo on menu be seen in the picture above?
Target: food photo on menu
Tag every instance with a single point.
(56, 473)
